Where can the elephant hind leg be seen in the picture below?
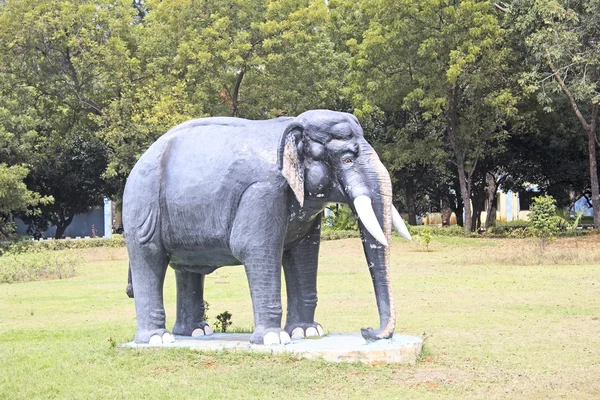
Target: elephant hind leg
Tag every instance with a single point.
(148, 269)
(190, 304)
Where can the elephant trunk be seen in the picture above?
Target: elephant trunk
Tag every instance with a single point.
(375, 221)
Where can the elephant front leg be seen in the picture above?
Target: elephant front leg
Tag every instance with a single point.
(257, 241)
(190, 304)
(263, 269)
(300, 267)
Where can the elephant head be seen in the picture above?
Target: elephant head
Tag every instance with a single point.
(325, 158)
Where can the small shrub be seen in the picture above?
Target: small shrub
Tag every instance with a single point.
(223, 322)
(36, 265)
(543, 218)
(205, 315)
(424, 238)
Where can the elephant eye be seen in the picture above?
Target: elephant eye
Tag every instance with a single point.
(347, 160)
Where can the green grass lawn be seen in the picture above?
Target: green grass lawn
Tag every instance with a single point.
(499, 321)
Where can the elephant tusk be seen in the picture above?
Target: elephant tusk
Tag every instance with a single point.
(399, 225)
(365, 212)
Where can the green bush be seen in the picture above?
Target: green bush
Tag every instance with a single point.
(223, 322)
(452, 230)
(328, 234)
(22, 246)
(424, 238)
(543, 218)
(342, 219)
(35, 265)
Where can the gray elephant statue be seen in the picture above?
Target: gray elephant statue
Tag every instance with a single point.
(224, 191)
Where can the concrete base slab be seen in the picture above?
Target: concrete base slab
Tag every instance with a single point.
(336, 348)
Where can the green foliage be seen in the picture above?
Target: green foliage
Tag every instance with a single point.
(513, 229)
(437, 86)
(246, 58)
(424, 238)
(453, 230)
(206, 307)
(563, 56)
(223, 322)
(62, 64)
(70, 172)
(569, 222)
(543, 219)
(560, 34)
(428, 72)
(16, 197)
(327, 234)
(341, 219)
(35, 265)
(23, 246)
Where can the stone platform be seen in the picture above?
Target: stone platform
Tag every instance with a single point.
(335, 347)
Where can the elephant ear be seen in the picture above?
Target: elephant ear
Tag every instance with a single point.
(291, 160)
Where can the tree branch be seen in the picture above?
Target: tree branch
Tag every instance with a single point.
(566, 90)
(502, 7)
(554, 73)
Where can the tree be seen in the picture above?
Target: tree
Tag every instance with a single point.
(562, 42)
(15, 197)
(447, 61)
(70, 171)
(551, 153)
(252, 59)
(61, 65)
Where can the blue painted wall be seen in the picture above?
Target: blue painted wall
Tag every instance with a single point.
(582, 205)
(81, 225)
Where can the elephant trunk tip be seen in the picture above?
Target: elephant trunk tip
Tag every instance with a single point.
(372, 335)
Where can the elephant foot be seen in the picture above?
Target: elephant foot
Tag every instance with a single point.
(154, 337)
(269, 337)
(302, 330)
(205, 331)
(201, 329)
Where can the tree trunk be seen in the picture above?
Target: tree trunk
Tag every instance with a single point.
(410, 203)
(235, 97)
(459, 153)
(594, 167)
(590, 129)
(466, 198)
(446, 214)
(62, 226)
(491, 200)
(458, 211)
(478, 199)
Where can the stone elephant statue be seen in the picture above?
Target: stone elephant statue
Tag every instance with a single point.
(214, 192)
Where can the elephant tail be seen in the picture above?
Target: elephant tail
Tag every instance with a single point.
(129, 288)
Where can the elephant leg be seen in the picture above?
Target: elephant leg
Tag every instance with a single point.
(257, 238)
(300, 268)
(148, 268)
(190, 305)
